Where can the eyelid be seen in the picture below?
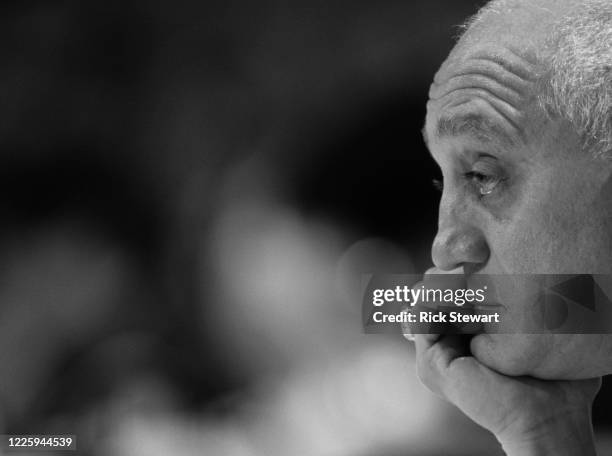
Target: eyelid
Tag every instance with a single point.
(438, 184)
(484, 184)
(486, 165)
(485, 175)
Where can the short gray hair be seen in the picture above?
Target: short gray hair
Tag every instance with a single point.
(576, 82)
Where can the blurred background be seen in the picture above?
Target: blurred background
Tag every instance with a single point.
(189, 193)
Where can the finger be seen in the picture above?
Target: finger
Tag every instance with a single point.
(450, 279)
(410, 329)
(435, 270)
(407, 329)
(409, 336)
(422, 340)
(503, 405)
(446, 367)
(434, 353)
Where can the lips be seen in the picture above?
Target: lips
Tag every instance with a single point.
(491, 306)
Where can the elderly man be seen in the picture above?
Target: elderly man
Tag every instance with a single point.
(520, 122)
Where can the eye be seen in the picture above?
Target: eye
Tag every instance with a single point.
(438, 184)
(484, 183)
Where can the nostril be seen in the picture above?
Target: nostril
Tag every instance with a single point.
(472, 268)
(453, 248)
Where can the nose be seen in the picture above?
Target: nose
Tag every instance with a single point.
(459, 241)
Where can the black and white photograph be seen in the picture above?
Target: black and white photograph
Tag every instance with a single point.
(289, 228)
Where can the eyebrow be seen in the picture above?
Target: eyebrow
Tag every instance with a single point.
(475, 125)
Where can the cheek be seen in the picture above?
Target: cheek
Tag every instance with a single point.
(528, 246)
(554, 237)
(509, 354)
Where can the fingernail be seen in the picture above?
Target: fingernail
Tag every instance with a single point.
(409, 337)
(407, 331)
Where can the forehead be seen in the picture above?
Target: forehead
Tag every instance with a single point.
(486, 90)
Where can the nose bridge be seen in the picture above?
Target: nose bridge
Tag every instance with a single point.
(459, 239)
(452, 212)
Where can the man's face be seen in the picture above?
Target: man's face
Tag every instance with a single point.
(520, 197)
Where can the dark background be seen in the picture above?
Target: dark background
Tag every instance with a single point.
(176, 179)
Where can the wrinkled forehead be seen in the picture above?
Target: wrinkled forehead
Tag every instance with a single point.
(524, 58)
(487, 88)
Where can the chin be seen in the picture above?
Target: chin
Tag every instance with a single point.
(545, 356)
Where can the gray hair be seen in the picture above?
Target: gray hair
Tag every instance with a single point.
(576, 82)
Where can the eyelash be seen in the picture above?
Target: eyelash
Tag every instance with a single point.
(481, 181)
(438, 184)
(476, 178)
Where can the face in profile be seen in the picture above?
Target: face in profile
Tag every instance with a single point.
(520, 196)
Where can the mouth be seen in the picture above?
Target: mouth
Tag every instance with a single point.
(489, 306)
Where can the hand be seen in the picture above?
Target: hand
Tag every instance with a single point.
(547, 356)
(527, 416)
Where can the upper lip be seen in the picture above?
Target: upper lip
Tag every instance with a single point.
(493, 305)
